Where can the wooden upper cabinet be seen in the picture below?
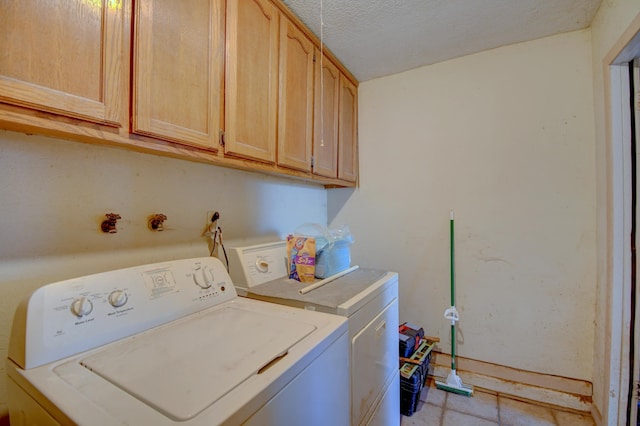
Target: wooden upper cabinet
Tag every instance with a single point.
(295, 106)
(348, 131)
(243, 74)
(251, 84)
(65, 57)
(325, 135)
(178, 70)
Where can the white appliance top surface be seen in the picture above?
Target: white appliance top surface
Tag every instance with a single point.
(339, 296)
(185, 367)
(212, 367)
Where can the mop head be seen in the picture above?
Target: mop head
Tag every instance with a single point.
(454, 384)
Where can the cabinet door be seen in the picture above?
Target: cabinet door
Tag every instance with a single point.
(295, 111)
(178, 66)
(64, 57)
(325, 137)
(251, 79)
(348, 131)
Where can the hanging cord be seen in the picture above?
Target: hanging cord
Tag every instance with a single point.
(218, 241)
(212, 232)
(321, 77)
(224, 251)
(215, 241)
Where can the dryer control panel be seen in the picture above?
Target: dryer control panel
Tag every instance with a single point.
(254, 265)
(72, 316)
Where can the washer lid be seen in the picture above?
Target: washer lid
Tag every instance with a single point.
(184, 367)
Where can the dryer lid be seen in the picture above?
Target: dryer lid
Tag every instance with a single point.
(184, 367)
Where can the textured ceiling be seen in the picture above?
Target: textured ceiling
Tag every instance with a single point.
(374, 38)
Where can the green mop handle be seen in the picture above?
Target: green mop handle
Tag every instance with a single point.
(453, 295)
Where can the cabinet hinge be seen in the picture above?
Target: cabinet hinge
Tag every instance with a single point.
(221, 137)
(312, 161)
(314, 58)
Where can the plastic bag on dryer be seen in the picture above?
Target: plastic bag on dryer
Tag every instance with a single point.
(333, 247)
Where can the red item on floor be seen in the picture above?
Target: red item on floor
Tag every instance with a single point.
(410, 336)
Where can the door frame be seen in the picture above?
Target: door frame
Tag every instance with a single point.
(618, 220)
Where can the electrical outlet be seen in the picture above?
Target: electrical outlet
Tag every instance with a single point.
(208, 228)
(209, 216)
(212, 216)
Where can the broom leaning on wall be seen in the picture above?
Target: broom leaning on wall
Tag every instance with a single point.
(454, 383)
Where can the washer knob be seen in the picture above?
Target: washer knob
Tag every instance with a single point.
(81, 307)
(117, 298)
(203, 277)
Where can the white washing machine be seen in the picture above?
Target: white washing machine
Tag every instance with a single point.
(367, 298)
(171, 343)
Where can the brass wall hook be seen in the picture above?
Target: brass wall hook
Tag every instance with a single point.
(156, 222)
(109, 225)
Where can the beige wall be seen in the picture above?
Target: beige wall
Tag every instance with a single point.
(506, 139)
(54, 194)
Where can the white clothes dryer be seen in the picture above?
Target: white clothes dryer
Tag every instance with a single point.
(171, 343)
(368, 298)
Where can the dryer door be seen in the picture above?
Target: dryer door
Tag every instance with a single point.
(374, 359)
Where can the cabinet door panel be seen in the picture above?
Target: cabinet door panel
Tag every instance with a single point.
(295, 112)
(178, 69)
(251, 79)
(64, 57)
(348, 131)
(325, 138)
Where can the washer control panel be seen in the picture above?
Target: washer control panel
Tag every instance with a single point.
(75, 315)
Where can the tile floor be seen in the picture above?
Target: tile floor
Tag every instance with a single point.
(440, 408)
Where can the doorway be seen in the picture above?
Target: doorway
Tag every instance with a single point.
(624, 355)
(623, 214)
(634, 358)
